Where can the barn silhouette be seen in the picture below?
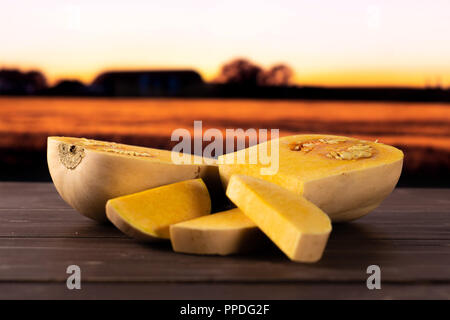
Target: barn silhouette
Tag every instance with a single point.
(147, 83)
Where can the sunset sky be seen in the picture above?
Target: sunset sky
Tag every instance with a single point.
(355, 42)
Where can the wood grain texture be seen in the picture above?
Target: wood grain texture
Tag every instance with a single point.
(408, 237)
(223, 291)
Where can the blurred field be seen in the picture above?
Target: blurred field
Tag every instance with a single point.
(421, 130)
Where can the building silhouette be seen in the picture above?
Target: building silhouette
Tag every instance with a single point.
(16, 82)
(147, 83)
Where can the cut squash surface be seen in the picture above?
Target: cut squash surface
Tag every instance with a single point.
(87, 173)
(148, 214)
(222, 233)
(345, 177)
(298, 227)
(225, 220)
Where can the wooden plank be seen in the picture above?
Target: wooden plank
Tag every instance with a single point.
(28, 195)
(52, 223)
(68, 223)
(385, 225)
(380, 224)
(424, 200)
(116, 259)
(228, 291)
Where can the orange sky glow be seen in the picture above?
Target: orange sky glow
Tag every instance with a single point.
(335, 43)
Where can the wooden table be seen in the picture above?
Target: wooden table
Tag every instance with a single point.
(40, 236)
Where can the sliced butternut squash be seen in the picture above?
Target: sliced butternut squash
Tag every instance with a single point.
(222, 233)
(345, 177)
(87, 173)
(147, 215)
(298, 227)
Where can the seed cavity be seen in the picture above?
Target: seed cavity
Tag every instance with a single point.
(332, 140)
(127, 152)
(70, 155)
(354, 152)
(113, 147)
(309, 145)
(335, 149)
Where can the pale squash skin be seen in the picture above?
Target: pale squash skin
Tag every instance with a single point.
(344, 189)
(101, 175)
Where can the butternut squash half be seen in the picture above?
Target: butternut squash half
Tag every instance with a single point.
(345, 177)
(87, 173)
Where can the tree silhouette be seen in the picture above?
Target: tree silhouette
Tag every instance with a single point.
(244, 72)
(279, 75)
(240, 71)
